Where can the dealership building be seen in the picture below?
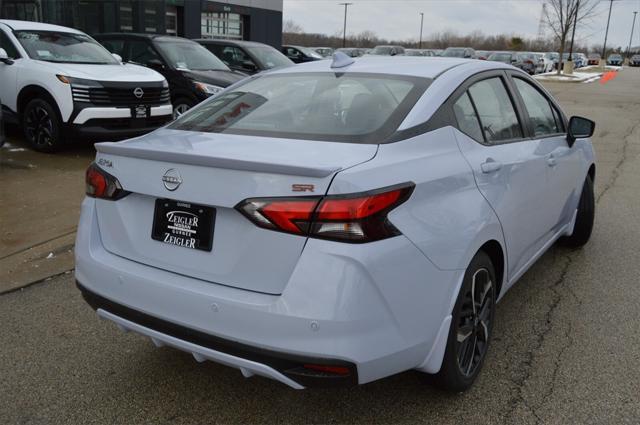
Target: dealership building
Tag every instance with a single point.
(255, 20)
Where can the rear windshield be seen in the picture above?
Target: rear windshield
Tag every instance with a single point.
(353, 108)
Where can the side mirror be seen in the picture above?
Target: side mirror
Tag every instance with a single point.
(4, 58)
(249, 66)
(155, 64)
(117, 57)
(579, 128)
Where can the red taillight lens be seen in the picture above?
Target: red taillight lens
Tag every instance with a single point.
(348, 218)
(100, 184)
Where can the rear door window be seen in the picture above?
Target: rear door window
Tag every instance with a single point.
(496, 112)
(114, 46)
(467, 119)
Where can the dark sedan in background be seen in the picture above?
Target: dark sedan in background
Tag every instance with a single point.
(246, 56)
(635, 60)
(516, 59)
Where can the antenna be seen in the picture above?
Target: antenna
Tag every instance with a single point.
(340, 60)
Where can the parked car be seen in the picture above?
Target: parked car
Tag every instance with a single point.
(414, 52)
(482, 54)
(547, 62)
(353, 52)
(614, 59)
(553, 57)
(339, 221)
(61, 85)
(594, 59)
(516, 59)
(581, 60)
(459, 52)
(193, 72)
(387, 51)
(635, 60)
(246, 56)
(325, 52)
(534, 59)
(299, 54)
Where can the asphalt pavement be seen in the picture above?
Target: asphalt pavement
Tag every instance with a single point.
(566, 346)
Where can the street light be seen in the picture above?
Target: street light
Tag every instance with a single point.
(421, 22)
(344, 31)
(633, 26)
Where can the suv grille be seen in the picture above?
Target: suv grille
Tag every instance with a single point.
(120, 96)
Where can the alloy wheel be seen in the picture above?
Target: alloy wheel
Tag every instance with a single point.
(474, 323)
(179, 110)
(39, 127)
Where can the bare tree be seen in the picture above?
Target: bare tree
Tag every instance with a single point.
(562, 15)
(292, 27)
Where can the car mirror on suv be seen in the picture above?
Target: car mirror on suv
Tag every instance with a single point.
(4, 58)
(579, 128)
(249, 66)
(155, 64)
(117, 57)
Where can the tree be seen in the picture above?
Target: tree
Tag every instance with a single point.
(292, 27)
(562, 15)
(516, 43)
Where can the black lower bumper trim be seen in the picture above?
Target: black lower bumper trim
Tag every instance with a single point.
(290, 365)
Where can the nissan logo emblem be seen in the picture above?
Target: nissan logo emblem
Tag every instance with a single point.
(138, 92)
(171, 179)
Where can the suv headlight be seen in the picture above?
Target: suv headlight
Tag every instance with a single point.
(208, 89)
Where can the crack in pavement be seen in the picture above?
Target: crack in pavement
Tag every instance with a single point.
(616, 170)
(529, 357)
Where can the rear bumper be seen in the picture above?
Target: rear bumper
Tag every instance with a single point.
(282, 367)
(375, 312)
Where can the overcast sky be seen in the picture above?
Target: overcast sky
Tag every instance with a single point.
(400, 19)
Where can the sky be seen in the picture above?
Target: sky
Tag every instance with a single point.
(400, 19)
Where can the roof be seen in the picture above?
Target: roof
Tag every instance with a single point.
(37, 26)
(140, 35)
(418, 66)
(224, 41)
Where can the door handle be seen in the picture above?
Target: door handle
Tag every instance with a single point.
(552, 161)
(490, 166)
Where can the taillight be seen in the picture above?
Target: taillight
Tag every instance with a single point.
(358, 218)
(100, 184)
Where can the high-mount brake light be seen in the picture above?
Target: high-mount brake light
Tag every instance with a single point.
(102, 185)
(356, 218)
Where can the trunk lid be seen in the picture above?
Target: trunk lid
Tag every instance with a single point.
(216, 170)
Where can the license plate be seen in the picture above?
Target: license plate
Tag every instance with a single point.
(183, 224)
(140, 111)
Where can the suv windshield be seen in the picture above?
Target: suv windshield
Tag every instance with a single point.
(269, 57)
(355, 108)
(185, 54)
(64, 47)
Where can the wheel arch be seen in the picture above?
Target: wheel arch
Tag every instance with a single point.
(496, 254)
(33, 91)
(592, 172)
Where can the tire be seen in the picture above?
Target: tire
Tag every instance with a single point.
(473, 316)
(182, 105)
(584, 218)
(42, 127)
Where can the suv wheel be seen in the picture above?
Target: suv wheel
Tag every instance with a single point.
(181, 105)
(471, 327)
(41, 126)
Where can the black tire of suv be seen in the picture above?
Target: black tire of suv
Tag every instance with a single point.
(584, 218)
(42, 127)
(451, 377)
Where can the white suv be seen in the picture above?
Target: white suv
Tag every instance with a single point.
(60, 85)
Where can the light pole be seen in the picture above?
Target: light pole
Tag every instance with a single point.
(606, 34)
(633, 26)
(344, 31)
(421, 22)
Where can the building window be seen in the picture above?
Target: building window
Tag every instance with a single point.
(222, 25)
(171, 20)
(150, 19)
(126, 16)
(22, 10)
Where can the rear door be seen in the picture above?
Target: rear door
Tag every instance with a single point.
(563, 163)
(510, 169)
